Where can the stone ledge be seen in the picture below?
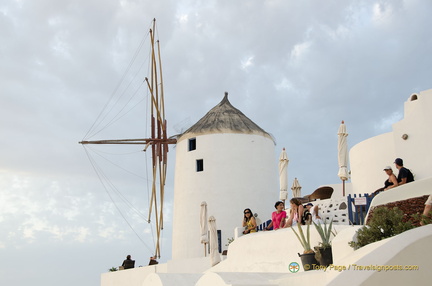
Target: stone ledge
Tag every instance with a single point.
(409, 207)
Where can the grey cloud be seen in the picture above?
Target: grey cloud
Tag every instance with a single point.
(311, 65)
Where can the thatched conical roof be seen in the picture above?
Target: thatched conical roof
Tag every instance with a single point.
(224, 118)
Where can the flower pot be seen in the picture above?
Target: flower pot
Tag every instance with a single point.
(308, 260)
(324, 256)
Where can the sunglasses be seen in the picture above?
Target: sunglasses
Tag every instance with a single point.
(247, 212)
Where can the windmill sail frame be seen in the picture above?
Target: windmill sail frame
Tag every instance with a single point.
(159, 140)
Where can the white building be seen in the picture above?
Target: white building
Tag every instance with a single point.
(228, 161)
(231, 180)
(410, 140)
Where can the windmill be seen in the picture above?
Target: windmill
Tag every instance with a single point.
(158, 141)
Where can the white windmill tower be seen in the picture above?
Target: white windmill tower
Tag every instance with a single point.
(228, 161)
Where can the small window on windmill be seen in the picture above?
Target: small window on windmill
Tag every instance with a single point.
(192, 144)
(200, 165)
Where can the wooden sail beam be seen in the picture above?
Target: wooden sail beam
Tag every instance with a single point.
(155, 86)
(155, 102)
(162, 100)
(133, 141)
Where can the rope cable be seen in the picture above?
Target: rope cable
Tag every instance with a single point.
(126, 201)
(99, 121)
(100, 174)
(118, 166)
(118, 115)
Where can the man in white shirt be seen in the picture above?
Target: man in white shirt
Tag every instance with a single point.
(313, 210)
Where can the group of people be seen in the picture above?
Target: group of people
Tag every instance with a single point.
(299, 214)
(130, 263)
(404, 176)
(309, 213)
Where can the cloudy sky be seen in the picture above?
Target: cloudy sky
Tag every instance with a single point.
(296, 68)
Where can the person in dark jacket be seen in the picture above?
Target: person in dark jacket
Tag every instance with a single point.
(128, 262)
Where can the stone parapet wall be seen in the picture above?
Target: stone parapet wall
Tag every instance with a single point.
(409, 207)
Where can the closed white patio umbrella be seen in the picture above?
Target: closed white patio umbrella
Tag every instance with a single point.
(343, 155)
(296, 189)
(204, 226)
(214, 253)
(283, 175)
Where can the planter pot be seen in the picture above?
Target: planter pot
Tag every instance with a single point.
(308, 260)
(324, 256)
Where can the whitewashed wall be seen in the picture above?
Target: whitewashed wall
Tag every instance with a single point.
(240, 171)
(335, 209)
(369, 157)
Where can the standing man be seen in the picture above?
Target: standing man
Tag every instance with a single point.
(405, 175)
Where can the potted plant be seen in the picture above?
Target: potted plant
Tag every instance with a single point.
(324, 250)
(308, 256)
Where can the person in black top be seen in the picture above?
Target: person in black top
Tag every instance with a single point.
(153, 260)
(128, 262)
(391, 182)
(405, 175)
(307, 216)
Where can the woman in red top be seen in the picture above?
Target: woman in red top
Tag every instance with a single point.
(278, 217)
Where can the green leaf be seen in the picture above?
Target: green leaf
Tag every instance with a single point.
(305, 241)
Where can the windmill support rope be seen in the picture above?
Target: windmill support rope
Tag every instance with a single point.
(100, 175)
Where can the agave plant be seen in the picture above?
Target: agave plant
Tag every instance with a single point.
(304, 240)
(325, 233)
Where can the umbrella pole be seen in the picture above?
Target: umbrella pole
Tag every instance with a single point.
(205, 252)
(343, 188)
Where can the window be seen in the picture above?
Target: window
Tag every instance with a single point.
(192, 144)
(200, 165)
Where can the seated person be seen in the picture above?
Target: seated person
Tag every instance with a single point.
(313, 210)
(128, 262)
(296, 213)
(391, 182)
(249, 222)
(307, 216)
(278, 217)
(405, 175)
(153, 260)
